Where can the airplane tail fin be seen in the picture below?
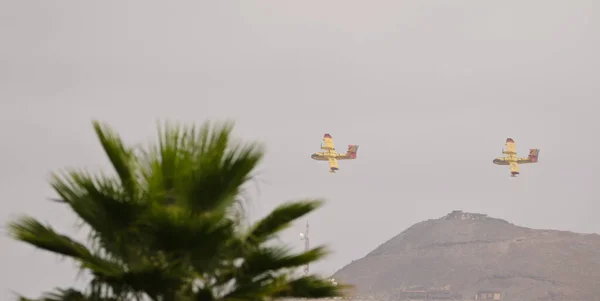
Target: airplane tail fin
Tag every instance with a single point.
(352, 151)
(534, 154)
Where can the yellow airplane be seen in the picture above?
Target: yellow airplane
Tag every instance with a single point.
(330, 155)
(512, 160)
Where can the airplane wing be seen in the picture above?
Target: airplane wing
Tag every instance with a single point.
(514, 168)
(327, 142)
(510, 147)
(532, 158)
(333, 164)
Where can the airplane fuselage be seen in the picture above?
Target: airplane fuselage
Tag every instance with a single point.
(506, 160)
(324, 156)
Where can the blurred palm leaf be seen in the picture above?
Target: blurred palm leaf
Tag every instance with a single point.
(168, 224)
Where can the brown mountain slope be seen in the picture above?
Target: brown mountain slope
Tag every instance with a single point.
(468, 252)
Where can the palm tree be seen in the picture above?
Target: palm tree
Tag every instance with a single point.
(169, 224)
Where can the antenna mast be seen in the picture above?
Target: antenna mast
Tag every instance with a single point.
(304, 236)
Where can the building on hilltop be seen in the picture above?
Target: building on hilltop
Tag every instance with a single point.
(459, 214)
(488, 295)
(420, 293)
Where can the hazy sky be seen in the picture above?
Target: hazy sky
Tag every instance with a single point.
(430, 90)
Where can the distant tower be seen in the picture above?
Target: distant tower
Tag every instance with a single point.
(304, 236)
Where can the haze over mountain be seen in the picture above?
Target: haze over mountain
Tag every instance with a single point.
(468, 252)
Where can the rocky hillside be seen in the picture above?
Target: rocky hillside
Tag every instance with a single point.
(463, 253)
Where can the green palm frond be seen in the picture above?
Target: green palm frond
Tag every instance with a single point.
(200, 168)
(281, 286)
(121, 158)
(30, 230)
(67, 295)
(272, 259)
(281, 218)
(311, 287)
(264, 265)
(168, 224)
(152, 281)
(101, 205)
(261, 289)
(99, 201)
(176, 232)
(215, 185)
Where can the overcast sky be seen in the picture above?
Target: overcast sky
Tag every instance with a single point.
(430, 90)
